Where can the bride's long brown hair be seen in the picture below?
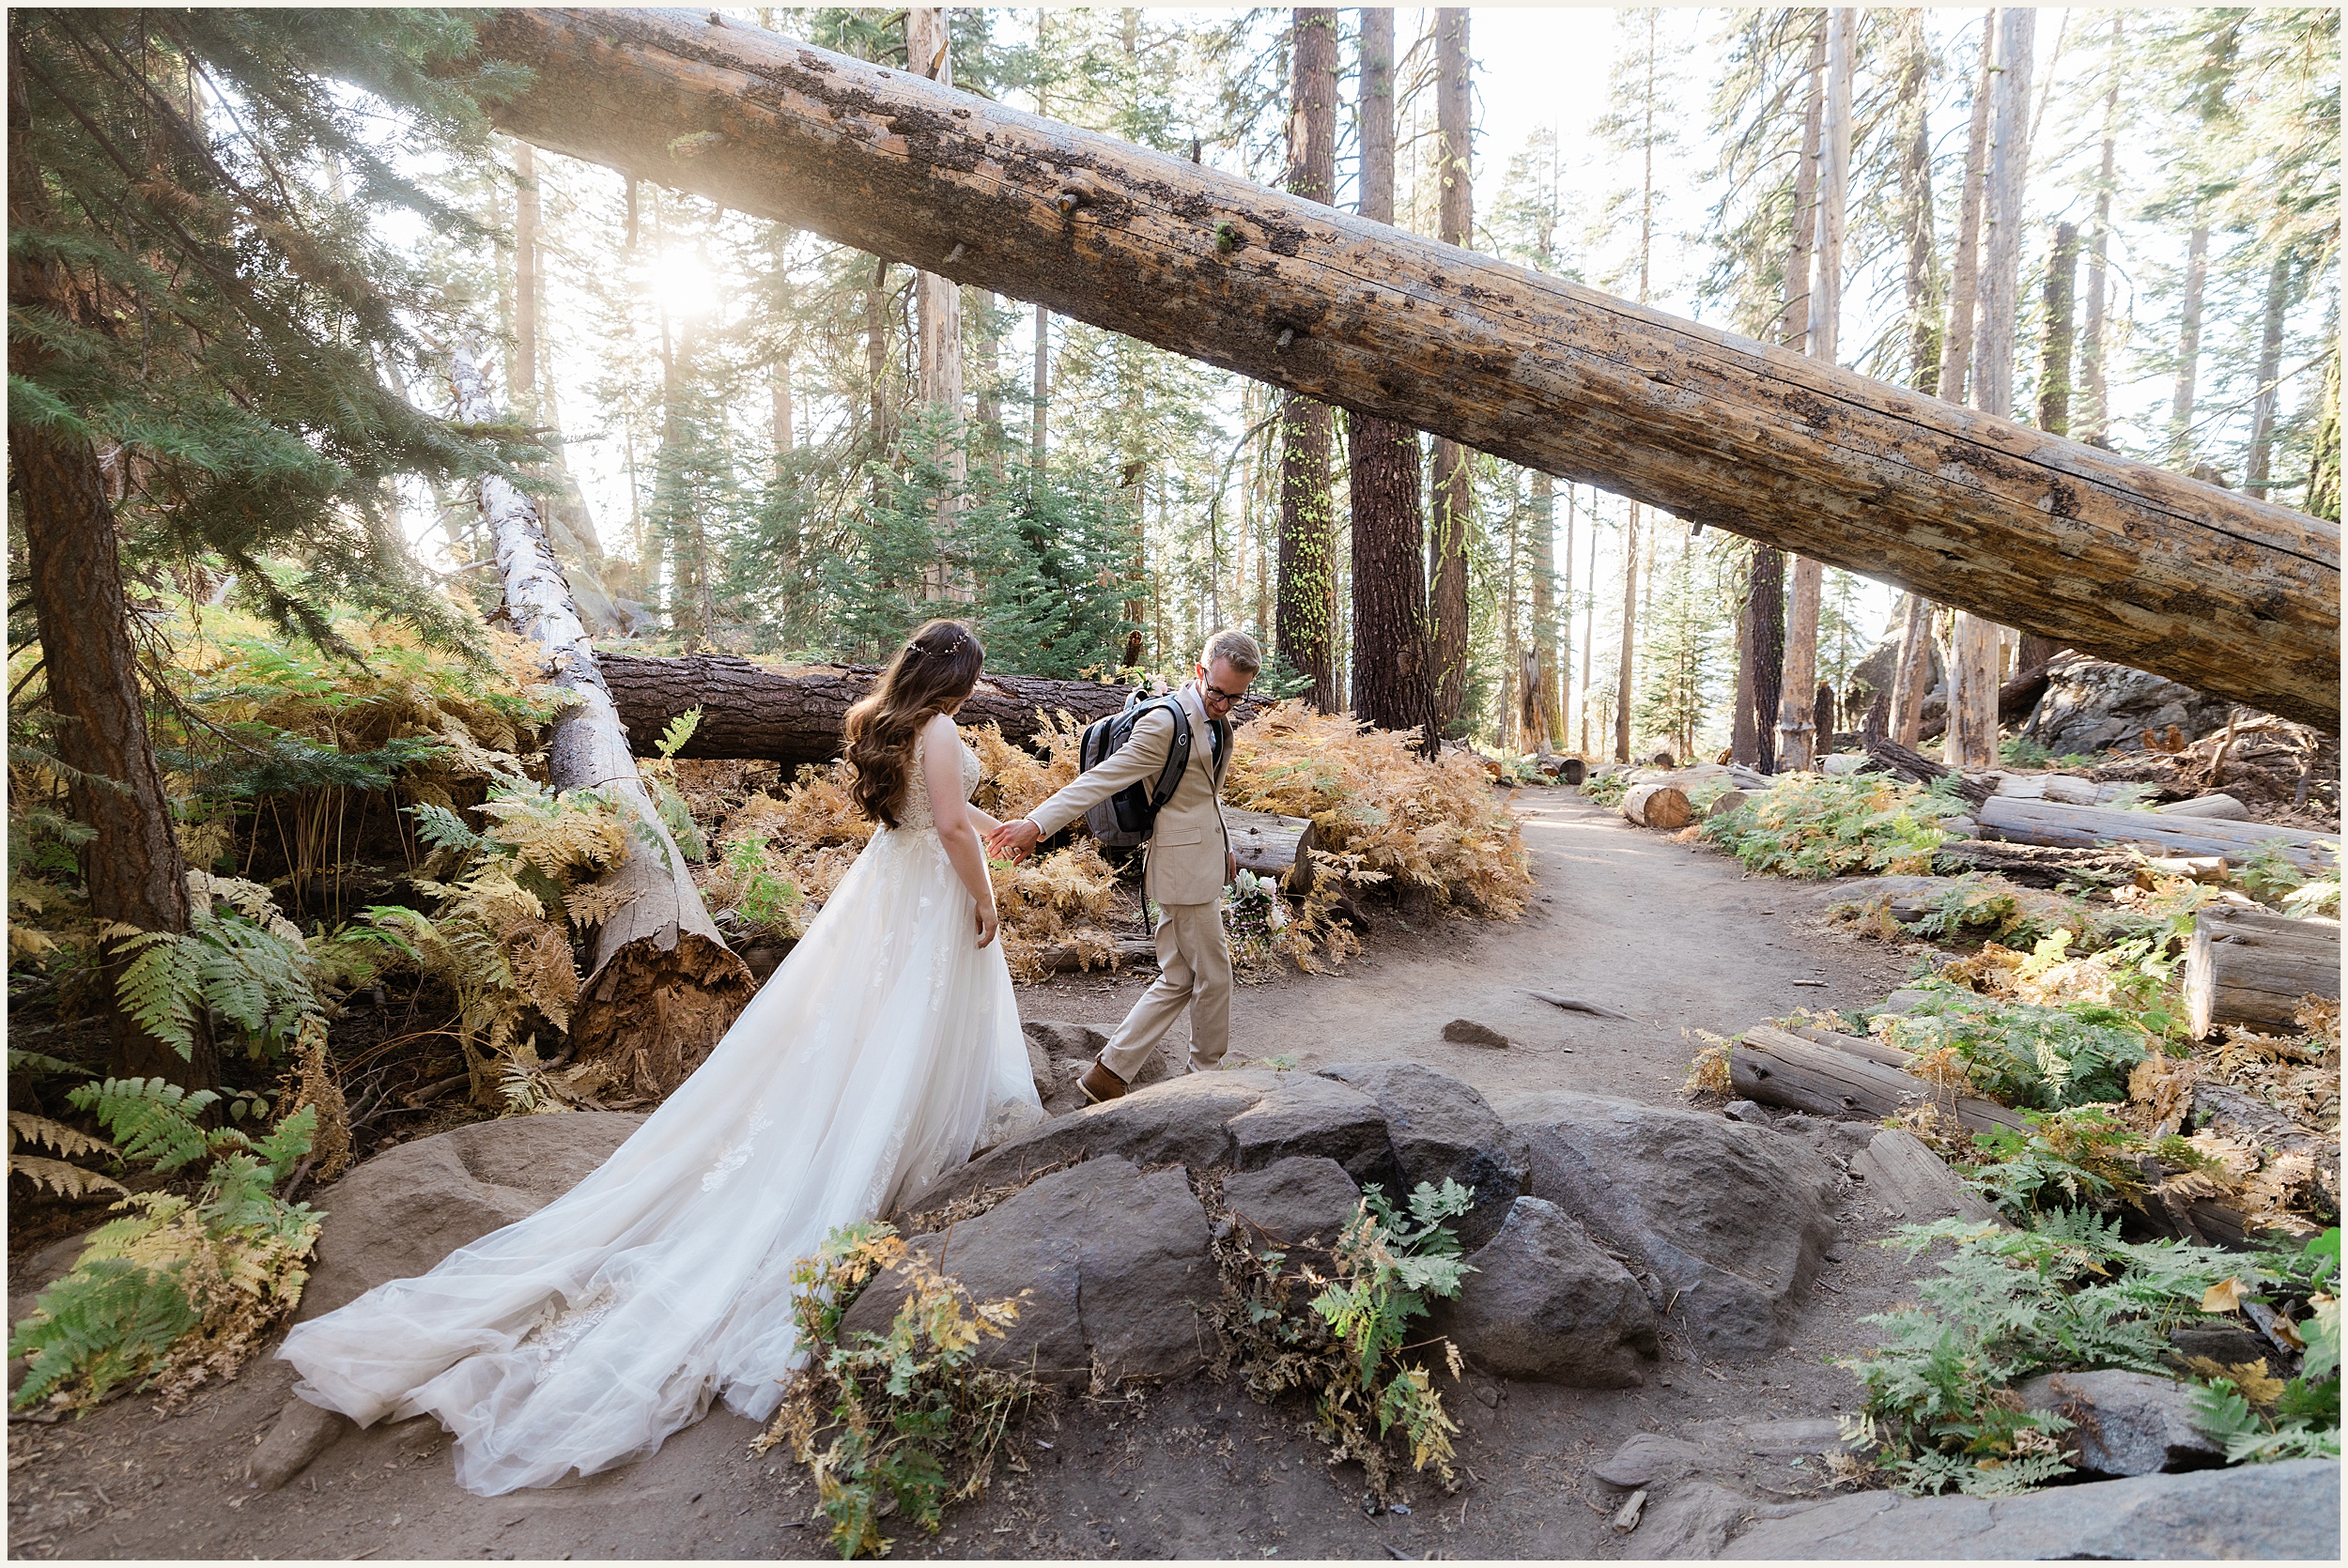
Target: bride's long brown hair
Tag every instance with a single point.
(931, 674)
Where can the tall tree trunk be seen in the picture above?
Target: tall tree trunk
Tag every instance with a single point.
(782, 421)
(2255, 470)
(2098, 410)
(880, 429)
(1509, 726)
(1744, 746)
(1453, 498)
(662, 988)
(990, 394)
(1393, 683)
(1765, 627)
(1957, 350)
(1630, 621)
(1972, 733)
(2054, 359)
(1924, 320)
(937, 315)
(131, 865)
(1589, 636)
(522, 371)
(1546, 698)
(1825, 149)
(1302, 631)
(2189, 345)
(2205, 586)
(1912, 674)
(1040, 395)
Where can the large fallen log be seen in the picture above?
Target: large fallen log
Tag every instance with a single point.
(798, 713)
(1776, 1069)
(663, 987)
(1272, 846)
(2116, 558)
(2033, 865)
(2051, 823)
(2247, 966)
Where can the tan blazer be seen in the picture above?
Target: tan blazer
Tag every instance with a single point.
(1189, 841)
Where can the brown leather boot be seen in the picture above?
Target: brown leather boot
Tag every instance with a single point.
(1099, 1084)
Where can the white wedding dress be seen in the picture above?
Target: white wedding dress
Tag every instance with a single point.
(884, 1051)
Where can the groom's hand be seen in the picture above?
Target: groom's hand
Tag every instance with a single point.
(1230, 868)
(1013, 841)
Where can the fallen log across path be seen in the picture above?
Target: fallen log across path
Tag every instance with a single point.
(2060, 826)
(2115, 558)
(662, 987)
(799, 714)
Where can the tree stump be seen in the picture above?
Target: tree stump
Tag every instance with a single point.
(1658, 806)
(2247, 966)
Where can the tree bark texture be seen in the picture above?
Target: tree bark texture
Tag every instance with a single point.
(2097, 410)
(1817, 255)
(2189, 345)
(2054, 359)
(523, 375)
(1912, 673)
(796, 713)
(1548, 703)
(1626, 666)
(2002, 213)
(1454, 500)
(2263, 409)
(662, 988)
(2249, 968)
(1766, 628)
(1658, 806)
(1775, 1068)
(1925, 347)
(1302, 628)
(1957, 347)
(938, 321)
(1797, 714)
(2118, 559)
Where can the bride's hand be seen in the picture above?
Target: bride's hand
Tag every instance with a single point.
(989, 923)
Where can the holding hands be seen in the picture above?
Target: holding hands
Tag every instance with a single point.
(1013, 841)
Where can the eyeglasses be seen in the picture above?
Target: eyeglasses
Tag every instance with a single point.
(1216, 693)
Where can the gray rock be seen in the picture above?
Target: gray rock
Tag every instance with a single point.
(2091, 704)
(1648, 1459)
(404, 1211)
(1441, 1128)
(2226, 1346)
(1073, 1041)
(1907, 899)
(1545, 1303)
(2128, 1422)
(1692, 1521)
(1732, 1220)
(1307, 1114)
(2287, 1510)
(1112, 1261)
(1293, 1199)
(300, 1435)
(1466, 1031)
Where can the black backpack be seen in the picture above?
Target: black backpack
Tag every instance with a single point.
(1126, 818)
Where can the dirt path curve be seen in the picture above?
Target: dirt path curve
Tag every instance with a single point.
(1673, 934)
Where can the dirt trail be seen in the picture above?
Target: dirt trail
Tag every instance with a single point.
(1674, 935)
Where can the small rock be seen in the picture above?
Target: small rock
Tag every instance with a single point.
(1545, 1303)
(2128, 1422)
(301, 1432)
(1466, 1031)
(2226, 1346)
(1648, 1459)
(1745, 1111)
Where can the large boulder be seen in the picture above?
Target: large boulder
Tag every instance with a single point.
(1238, 1120)
(1546, 1303)
(2125, 1423)
(1114, 1263)
(1302, 1198)
(1732, 1220)
(2287, 1510)
(1439, 1127)
(2091, 705)
(404, 1211)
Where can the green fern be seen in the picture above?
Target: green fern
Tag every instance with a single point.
(152, 1119)
(680, 729)
(108, 1323)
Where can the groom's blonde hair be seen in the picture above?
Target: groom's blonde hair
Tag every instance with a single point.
(1234, 648)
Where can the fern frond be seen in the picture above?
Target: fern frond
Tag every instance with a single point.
(152, 1119)
(42, 1132)
(66, 1181)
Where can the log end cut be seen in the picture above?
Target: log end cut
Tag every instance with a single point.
(651, 1014)
(1658, 806)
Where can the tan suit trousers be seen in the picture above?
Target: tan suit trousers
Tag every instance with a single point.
(1193, 971)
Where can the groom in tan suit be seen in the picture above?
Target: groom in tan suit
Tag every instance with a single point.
(1189, 861)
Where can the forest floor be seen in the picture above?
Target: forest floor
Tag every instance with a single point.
(1675, 935)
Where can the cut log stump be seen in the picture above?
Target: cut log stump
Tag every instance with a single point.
(1658, 806)
(1274, 846)
(2247, 966)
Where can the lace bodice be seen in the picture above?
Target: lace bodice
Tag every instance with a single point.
(914, 813)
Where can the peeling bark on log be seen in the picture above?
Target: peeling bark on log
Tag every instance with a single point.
(2015, 698)
(799, 714)
(2247, 966)
(2046, 821)
(664, 988)
(2120, 559)
(2033, 864)
(1274, 846)
(1779, 1069)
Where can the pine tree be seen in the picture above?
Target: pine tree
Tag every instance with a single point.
(1305, 630)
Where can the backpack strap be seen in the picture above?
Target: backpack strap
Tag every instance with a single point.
(1176, 756)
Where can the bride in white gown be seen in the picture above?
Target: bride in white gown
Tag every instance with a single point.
(884, 1051)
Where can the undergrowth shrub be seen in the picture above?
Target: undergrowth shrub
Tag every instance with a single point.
(2024, 1054)
(905, 1422)
(1606, 789)
(1826, 824)
(2006, 1305)
(181, 1289)
(1335, 1323)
